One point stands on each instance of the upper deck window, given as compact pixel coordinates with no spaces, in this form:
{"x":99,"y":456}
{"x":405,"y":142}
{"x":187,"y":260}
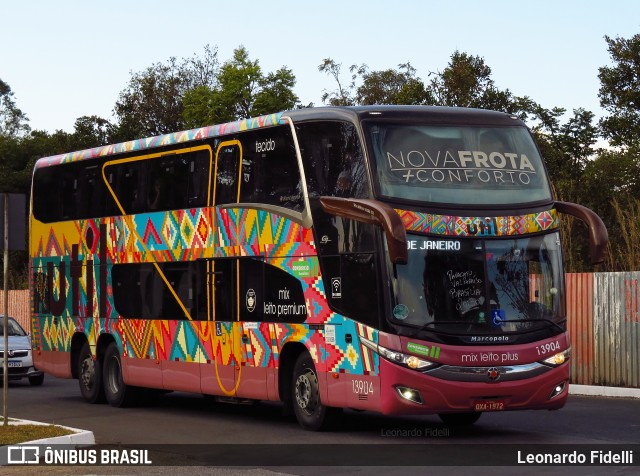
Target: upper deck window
{"x":458,"y":165}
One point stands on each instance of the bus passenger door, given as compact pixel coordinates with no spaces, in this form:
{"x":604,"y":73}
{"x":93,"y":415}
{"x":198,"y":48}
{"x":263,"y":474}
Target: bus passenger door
{"x":222,"y":292}
{"x":222,"y":278}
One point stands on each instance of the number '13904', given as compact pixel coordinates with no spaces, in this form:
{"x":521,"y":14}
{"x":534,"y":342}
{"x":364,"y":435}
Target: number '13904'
{"x":362,"y":387}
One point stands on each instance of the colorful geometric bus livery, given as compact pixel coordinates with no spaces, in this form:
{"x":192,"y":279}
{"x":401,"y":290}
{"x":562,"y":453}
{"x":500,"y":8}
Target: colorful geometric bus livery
{"x":479,"y":226}
{"x":279,"y":258}
{"x":182,"y":236}
{"x":185,"y":235}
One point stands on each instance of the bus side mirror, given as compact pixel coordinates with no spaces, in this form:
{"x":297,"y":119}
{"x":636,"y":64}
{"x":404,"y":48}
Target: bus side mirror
{"x":373,"y":212}
{"x":598,"y":236}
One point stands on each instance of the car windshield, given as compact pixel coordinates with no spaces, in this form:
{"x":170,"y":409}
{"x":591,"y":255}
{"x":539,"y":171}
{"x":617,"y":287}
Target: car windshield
{"x":13,"y":328}
{"x":448,"y":164}
{"x":480,"y":286}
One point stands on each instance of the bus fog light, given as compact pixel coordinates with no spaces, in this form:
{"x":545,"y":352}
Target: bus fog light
{"x":557,"y":390}
{"x":410,"y":394}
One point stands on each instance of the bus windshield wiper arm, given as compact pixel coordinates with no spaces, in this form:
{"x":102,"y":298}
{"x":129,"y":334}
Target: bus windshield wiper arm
{"x":540,"y":319}
{"x":437,"y":323}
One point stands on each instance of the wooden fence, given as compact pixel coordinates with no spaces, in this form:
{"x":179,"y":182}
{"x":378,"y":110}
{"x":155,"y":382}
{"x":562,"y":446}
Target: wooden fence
{"x":19,"y":307}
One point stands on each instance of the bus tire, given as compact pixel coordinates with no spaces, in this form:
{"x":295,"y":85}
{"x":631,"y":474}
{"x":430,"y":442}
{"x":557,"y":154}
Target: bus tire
{"x":309,"y":411}
{"x":36,"y":379}
{"x":117,"y":393}
{"x":460,"y":419}
{"x":90,"y":376}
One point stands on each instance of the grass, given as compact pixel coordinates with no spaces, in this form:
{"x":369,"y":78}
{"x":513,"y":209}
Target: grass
{"x":12,"y":434}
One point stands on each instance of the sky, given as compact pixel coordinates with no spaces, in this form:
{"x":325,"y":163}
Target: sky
{"x":66,"y":59}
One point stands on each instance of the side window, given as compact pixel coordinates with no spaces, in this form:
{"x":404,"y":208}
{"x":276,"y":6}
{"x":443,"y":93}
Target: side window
{"x":349,"y":267}
{"x":224,"y":287}
{"x":70,"y":192}
{"x":164,"y":184}
{"x":174,"y":181}
{"x":47,"y":199}
{"x":333,"y":160}
{"x":93,"y":198}
{"x":270,"y":172}
{"x":139,"y":290}
{"x":198,"y":164}
{"x":126,"y":180}
{"x":226,"y":182}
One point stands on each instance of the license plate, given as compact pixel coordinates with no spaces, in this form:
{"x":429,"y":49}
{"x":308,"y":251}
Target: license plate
{"x":489,"y":406}
{"x":14,"y":363}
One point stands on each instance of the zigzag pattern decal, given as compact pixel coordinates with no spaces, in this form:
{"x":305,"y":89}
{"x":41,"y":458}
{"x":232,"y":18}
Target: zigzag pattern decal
{"x":449,"y":225}
{"x":187,"y":235}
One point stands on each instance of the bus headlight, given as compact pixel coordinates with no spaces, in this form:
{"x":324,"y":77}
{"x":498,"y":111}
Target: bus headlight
{"x":559,"y":358}
{"x":409,"y":361}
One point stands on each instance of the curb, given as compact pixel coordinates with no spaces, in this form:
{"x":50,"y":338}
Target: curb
{"x":78,"y":437}
{"x":596,"y":391}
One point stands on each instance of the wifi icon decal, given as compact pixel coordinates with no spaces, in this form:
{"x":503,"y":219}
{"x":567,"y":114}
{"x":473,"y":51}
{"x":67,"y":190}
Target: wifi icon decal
{"x":336,"y":288}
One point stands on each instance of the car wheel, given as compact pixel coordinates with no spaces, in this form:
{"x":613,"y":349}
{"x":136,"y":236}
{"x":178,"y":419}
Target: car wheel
{"x":36,"y":380}
{"x":90,"y":376}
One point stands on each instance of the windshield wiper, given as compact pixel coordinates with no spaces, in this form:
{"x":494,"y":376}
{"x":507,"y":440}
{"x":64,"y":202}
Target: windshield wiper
{"x":438,"y":323}
{"x":542,"y":319}
{"x":467,"y":323}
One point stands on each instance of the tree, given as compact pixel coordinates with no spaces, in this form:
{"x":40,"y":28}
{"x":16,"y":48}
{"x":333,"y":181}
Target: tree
{"x":620,"y":92}
{"x":13,"y":121}
{"x":276,"y":93}
{"x":392,"y":87}
{"x":152,"y":103}
{"x":92,"y":131}
{"x":467,"y":82}
{"x":242,"y":90}
{"x":344,"y":96}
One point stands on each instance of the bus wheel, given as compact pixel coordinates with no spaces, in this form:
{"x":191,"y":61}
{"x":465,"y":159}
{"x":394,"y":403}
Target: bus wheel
{"x":460,"y":419}
{"x":309,"y":410}
{"x":90,"y":376}
{"x":118,"y":393}
{"x":36,"y":380}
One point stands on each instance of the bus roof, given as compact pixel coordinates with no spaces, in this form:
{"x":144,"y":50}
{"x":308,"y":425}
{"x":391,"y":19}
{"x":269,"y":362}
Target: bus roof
{"x":425,"y":114}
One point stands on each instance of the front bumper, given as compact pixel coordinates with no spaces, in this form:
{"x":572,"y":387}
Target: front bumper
{"x":17,"y":373}
{"x":440,"y":395}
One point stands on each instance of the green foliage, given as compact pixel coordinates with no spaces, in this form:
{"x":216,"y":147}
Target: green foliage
{"x":276,"y":93}
{"x":152,"y":103}
{"x":344,"y":95}
{"x":620,"y":92}
{"x":466,"y":82}
{"x":13,"y":122}
{"x":392,"y":87}
{"x":92,"y":131}
{"x":242,"y":90}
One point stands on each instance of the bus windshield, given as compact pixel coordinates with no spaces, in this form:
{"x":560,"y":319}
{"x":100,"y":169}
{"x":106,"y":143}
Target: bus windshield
{"x":449,"y":164}
{"x":480,"y":286}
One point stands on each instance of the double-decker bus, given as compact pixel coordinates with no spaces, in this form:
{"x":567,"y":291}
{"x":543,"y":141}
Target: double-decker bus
{"x":401,"y":260}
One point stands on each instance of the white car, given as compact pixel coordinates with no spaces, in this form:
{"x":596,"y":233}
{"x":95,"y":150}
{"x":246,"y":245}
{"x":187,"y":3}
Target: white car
{"x":20,"y":361}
